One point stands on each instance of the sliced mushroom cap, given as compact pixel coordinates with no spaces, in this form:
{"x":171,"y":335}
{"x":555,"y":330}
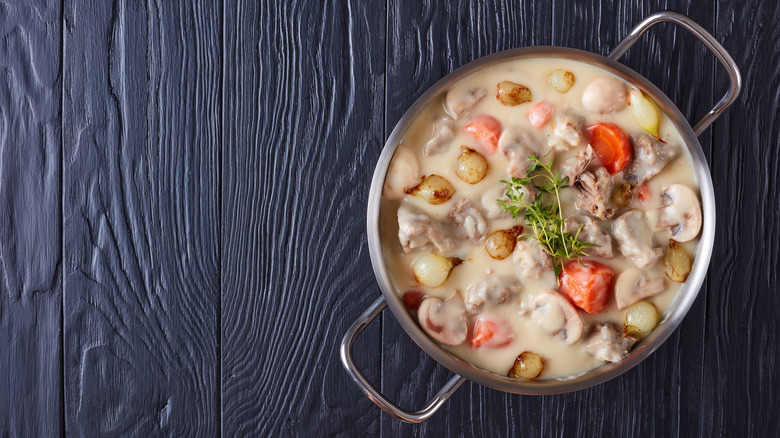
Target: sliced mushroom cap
{"x":403,"y":173}
{"x":459,"y":100}
{"x":632,"y":286}
{"x":682,"y":213}
{"x":444,"y":321}
{"x":605,"y":95}
{"x":558,"y":316}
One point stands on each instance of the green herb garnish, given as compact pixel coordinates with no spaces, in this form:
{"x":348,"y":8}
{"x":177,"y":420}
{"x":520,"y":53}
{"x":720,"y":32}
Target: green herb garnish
{"x":546,"y":219}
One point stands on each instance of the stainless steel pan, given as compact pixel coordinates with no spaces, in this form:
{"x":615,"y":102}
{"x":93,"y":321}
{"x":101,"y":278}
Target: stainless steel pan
{"x":678,"y":308}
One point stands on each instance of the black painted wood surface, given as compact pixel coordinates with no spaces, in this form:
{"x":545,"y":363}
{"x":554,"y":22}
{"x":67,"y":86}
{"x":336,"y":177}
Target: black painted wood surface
{"x":182,"y":217}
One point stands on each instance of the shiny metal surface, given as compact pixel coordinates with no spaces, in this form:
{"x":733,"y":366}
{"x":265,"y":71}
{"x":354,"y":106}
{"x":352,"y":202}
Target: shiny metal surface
{"x":372,"y":393}
{"x":735,"y":79}
{"x":681,"y":303}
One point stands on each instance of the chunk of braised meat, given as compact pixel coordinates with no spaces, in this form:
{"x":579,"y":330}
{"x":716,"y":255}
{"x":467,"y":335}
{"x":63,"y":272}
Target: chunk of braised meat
{"x":567,"y":131}
{"x":574,"y":166}
{"x":443,"y":133}
{"x":651,"y":155}
{"x":517,"y":145}
{"x":635,"y":240}
{"x":587,"y":230}
{"x":459,"y":100}
{"x":417,"y":230}
{"x":607,"y":344}
{"x":468,"y":221}
{"x":495,"y":290}
{"x":531,"y":259}
{"x":593,"y":190}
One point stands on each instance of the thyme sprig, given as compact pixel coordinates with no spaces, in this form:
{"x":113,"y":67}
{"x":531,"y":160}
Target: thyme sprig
{"x":545,"y":218}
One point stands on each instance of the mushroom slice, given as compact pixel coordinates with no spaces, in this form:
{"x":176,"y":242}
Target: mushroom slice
{"x":558,"y":316}
{"x":460,"y":100}
{"x":444,"y":321}
{"x":682,"y":213}
{"x":632,"y":286}
{"x":605,"y":95}
{"x":634,"y":239}
{"x":494,"y":290}
{"x":403,"y":174}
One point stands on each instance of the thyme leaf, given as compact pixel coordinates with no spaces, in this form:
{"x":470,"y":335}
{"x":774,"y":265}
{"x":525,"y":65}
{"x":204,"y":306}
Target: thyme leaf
{"x":545,"y":218}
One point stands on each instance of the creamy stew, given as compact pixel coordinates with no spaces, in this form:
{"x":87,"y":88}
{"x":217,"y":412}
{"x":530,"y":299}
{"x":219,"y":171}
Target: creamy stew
{"x":539,"y":217}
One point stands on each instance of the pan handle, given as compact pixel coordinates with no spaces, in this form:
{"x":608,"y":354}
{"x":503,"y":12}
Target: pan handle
{"x":735,"y":78}
{"x":371,"y":392}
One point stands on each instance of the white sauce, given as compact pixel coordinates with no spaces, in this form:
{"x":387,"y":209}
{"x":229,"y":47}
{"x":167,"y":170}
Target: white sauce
{"x":561,"y":361}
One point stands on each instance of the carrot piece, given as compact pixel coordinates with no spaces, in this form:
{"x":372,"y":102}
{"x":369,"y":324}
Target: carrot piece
{"x":587,"y":283}
{"x":611,"y":146}
{"x":485,"y":130}
{"x":491,"y":333}
{"x":540,"y":113}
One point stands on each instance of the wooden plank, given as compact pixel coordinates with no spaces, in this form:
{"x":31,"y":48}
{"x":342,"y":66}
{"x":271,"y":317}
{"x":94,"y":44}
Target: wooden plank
{"x":141,"y":292}
{"x":662,"y":396}
{"x":743,"y":334}
{"x":427,"y":41}
{"x":303,"y":128}
{"x":30,"y":221}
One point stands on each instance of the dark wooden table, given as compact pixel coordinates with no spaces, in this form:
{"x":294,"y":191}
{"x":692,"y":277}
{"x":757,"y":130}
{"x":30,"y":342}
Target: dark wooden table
{"x":183,"y":187}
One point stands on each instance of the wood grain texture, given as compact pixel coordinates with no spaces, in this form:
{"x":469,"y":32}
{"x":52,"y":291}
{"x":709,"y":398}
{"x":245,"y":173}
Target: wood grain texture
{"x":30,"y":219}
{"x":425,"y":42}
{"x":141,"y":218}
{"x":303,"y":126}
{"x":741,"y":347}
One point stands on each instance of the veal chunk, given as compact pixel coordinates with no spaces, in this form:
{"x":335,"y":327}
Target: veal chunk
{"x":650,"y":157}
{"x":518,"y":145}
{"x":494,"y":290}
{"x":587,"y":230}
{"x":574,"y":166}
{"x":594,"y":189}
{"x":417,"y":230}
{"x":469,"y":223}
{"x":593,"y":186}
{"x":607,"y":344}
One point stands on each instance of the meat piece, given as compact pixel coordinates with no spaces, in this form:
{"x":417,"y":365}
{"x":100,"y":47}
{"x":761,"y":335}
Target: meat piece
{"x":417,"y":230}
{"x":634,"y":239}
{"x":518,"y":145}
{"x":593,"y":193}
{"x":607,"y":344}
{"x":495,"y":290}
{"x":469,"y":223}
{"x":460,"y":100}
{"x":587,"y":230}
{"x":650,"y":157}
{"x":574,"y":166}
{"x":567,"y":131}
{"x":531,"y":259}
{"x":443,"y":133}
